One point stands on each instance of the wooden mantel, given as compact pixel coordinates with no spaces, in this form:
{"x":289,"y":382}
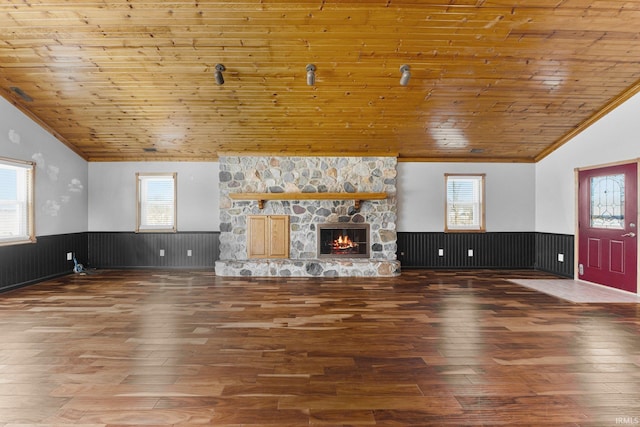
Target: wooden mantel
{"x":262,"y":197}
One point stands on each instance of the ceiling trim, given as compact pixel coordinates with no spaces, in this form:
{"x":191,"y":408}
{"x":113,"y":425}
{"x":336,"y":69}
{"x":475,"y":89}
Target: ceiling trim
{"x":465,"y":160}
{"x":308,"y":154}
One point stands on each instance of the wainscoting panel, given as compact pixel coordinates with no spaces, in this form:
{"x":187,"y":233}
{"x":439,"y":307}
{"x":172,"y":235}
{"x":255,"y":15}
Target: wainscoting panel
{"x":25,"y":264}
{"x":489,"y":250}
{"x":142,"y":250}
{"x":21,"y":265}
{"x":548,"y":246}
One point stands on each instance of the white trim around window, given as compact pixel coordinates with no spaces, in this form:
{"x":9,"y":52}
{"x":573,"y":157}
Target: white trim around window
{"x":465,"y":203}
{"x":156,"y":197}
{"x":17,"y":188}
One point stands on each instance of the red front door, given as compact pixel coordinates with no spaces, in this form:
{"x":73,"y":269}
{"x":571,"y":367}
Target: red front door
{"x":607,"y":226}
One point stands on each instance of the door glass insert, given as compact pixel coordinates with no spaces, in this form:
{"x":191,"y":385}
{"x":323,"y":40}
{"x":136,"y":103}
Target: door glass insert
{"x":607,"y":201}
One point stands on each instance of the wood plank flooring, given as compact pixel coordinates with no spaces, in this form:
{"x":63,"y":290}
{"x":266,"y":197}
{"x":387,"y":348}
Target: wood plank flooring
{"x":441,"y":348}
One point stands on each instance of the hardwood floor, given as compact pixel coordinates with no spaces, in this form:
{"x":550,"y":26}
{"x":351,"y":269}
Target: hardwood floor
{"x":158,"y":348}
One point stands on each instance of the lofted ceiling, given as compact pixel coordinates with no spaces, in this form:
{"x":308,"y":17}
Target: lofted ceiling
{"x":491,"y":80}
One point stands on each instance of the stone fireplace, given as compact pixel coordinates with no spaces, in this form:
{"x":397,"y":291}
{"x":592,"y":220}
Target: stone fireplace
{"x":304,"y":187}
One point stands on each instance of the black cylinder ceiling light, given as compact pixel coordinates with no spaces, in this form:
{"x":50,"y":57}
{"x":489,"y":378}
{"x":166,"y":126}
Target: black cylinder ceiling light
{"x":218,"y":74}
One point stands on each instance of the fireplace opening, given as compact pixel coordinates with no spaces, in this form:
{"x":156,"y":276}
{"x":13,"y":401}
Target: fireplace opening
{"x":343,"y":240}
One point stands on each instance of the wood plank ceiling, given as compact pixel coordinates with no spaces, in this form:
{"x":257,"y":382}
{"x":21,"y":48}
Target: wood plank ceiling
{"x":491,"y":80}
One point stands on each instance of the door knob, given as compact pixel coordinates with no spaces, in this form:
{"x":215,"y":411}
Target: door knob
{"x":629,"y":234}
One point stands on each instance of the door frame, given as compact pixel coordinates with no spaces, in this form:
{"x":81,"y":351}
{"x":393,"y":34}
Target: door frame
{"x":576,"y":253}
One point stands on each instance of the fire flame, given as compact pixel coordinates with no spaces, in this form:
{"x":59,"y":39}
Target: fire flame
{"x":344,"y":242}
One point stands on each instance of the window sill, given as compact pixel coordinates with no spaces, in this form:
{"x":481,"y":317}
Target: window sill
{"x":18,"y":242}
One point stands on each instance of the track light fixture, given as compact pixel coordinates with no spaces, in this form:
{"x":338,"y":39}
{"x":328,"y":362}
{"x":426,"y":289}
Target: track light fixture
{"x":406,"y":75}
{"x":311,"y":74}
{"x":218,"y":74}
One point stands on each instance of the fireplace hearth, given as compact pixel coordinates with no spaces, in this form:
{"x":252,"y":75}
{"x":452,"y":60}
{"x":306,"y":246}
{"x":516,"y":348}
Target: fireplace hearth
{"x":343,"y":240}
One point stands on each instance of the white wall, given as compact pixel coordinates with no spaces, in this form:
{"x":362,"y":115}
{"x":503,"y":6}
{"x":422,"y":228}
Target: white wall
{"x":614,"y":138}
{"x":112,"y":195}
{"x":61,"y":175}
{"x":509,"y":187}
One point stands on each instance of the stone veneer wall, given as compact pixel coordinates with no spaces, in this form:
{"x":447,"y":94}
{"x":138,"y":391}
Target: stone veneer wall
{"x":257,"y":174}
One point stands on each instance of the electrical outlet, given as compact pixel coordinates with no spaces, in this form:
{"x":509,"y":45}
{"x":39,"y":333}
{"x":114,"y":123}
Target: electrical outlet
{"x":189,"y":252}
{"x":69,"y":256}
{"x":470,"y":252}
{"x":440,"y":252}
{"x":161,"y":252}
{"x":560,"y":257}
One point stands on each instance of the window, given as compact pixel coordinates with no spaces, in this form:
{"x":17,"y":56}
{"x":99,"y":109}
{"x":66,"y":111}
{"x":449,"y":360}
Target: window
{"x":607,"y":201}
{"x":156,"y":202}
{"x":16,"y":202}
{"x":465,"y":202}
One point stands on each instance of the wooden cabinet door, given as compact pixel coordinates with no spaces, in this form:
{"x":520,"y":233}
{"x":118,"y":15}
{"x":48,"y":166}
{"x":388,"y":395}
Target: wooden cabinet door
{"x":268,"y":236}
{"x":257,"y":241}
{"x":279,"y":236}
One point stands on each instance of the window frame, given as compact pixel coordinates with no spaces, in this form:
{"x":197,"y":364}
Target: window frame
{"x":481,"y":226}
{"x":29,"y":221}
{"x":140,"y":178}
